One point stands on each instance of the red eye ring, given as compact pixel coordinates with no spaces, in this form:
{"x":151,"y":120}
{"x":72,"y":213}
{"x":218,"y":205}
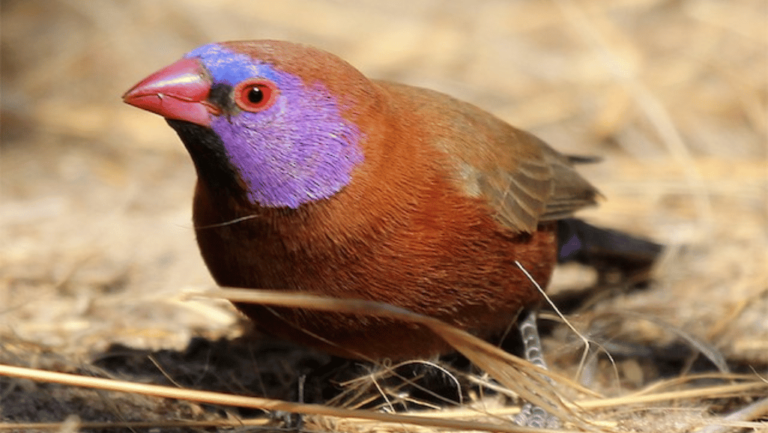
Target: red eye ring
{"x":256,"y":94}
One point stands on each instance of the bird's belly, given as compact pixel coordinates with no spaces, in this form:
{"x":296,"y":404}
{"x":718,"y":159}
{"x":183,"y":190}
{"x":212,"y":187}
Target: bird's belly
{"x":471,"y":282}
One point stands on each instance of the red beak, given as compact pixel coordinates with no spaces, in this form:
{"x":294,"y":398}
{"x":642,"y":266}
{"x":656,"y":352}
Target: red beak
{"x":178,"y":91}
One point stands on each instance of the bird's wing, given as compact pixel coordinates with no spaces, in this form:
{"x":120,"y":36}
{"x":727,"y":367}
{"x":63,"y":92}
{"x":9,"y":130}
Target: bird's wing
{"x":532,"y":186}
{"x":523,"y":180}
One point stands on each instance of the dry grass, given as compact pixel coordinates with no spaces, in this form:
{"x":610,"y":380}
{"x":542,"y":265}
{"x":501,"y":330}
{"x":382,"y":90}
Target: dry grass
{"x":97,"y":246}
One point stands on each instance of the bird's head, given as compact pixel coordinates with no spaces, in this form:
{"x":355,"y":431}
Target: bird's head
{"x":274,"y":121}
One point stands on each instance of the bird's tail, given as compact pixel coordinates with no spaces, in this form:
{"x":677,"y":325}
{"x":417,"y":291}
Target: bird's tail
{"x":606,"y":250}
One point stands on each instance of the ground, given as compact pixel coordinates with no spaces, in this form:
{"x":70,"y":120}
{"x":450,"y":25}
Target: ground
{"x":98,"y":253}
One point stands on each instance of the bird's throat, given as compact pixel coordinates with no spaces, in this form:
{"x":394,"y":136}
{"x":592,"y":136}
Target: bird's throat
{"x":210,"y":158}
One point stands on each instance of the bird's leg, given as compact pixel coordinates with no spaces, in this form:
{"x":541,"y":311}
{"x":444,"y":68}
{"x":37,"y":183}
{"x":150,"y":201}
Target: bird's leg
{"x":293,"y":422}
{"x":530,"y":415}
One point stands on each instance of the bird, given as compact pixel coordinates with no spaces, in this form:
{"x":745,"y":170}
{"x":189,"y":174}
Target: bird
{"x":313,"y":178}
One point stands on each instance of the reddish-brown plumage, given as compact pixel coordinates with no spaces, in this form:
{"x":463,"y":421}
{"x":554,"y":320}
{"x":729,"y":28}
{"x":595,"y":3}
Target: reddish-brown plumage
{"x":447,"y":199}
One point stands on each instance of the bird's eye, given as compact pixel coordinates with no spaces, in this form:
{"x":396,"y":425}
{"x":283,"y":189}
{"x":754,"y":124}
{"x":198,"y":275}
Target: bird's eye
{"x":255,"y":95}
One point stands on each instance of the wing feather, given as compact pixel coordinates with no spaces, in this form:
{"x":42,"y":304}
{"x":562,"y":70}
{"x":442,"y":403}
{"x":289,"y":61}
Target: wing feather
{"x":522,"y":179}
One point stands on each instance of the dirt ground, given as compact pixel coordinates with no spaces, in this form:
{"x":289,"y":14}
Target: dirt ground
{"x":97,"y":249}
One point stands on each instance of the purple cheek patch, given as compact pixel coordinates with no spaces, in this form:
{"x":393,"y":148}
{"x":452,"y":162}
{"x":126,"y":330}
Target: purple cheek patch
{"x":299,"y":150}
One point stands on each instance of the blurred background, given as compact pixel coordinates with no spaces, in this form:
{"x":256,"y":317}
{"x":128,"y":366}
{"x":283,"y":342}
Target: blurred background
{"x":95,"y":196}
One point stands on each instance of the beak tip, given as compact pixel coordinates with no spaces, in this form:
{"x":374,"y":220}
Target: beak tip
{"x":131,"y":96}
{"x":177,"y":91}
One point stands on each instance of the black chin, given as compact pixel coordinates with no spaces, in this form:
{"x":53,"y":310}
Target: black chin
{"x":208,"y":154}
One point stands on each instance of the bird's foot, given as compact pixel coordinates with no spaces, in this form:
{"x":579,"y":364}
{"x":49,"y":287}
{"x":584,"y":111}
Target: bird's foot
{"x":534,"y":416}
